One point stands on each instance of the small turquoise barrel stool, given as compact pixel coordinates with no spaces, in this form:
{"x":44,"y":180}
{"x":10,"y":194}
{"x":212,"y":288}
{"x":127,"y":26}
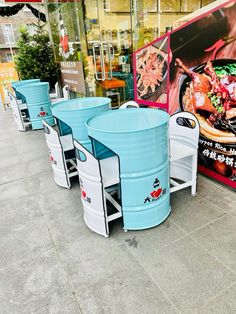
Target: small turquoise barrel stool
{"x":139,"y":137}
{"x":74,"y":113}
{"x":15,"y":84}
{"x":38,"y":103}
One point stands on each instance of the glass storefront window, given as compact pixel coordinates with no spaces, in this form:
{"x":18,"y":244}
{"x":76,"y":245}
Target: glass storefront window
{"x":103,"y":34}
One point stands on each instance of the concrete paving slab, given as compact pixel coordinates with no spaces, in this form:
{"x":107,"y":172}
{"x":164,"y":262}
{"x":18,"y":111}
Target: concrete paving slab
{"x":15,"y":213}
{"x":37,"y":165}
{"x":13,"y":172}
{"x":43,"y":181}
{"x":31,"y":143}
{"x":130,"y":291}
{"x":191,"y":212}
{"x":23,"y":240}
{"x":55,"y":198}
{"x":219,"y":237}
{"x":224,"y":303}
{"x":32,"y":283}
{"x":66,"y":306}
{"x":142,"y":241}
{"x":217,"y":193}
{"x":107,"y":279}
{"x":15,"y":190}
{"x":187,"y":273}
{"x":233,"y":212}
{"x":7,"y":152}
{"x":66,"y":223}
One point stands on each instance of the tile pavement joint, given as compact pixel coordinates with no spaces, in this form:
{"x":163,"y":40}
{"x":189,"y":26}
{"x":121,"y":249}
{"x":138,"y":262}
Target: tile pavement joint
{"x":59,"y":258}
{"x":154,"y":281}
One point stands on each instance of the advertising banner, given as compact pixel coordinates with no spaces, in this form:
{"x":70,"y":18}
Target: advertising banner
{"x":7,"y":74}
{"x":202,"y":80}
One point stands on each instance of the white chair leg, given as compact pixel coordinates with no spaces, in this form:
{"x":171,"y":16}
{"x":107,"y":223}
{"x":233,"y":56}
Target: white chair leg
{"x":194,"y":175}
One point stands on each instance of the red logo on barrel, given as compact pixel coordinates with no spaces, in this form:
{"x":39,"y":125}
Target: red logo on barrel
{"x":156,"y":193}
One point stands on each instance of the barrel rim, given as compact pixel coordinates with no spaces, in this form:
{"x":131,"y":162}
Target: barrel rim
{"x":55,"y":105}
{"x":39,"y":83}
{"x":23,"y":82}
{"x":48,"y":102}
{"x":126,"y":131}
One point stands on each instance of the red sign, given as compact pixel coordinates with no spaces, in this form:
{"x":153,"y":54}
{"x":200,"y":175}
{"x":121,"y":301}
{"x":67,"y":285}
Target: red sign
{"x":25,"y":1}
{"x":39,"y":1}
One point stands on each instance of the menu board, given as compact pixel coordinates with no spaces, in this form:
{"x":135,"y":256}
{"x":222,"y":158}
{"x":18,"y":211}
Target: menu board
{"x":202,"y":80}
{"x":72,"y":75}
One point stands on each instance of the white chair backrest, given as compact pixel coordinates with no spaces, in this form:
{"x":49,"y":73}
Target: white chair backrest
{"x":91,"y":189}
{"x":184,"y":126}
{"x":129,"y":104}
{"x":57,"y":90}
{"x":55,"y":149}
{"x":65,"y":92}
{"x":16,"y":112}
{"x":87,"y":163}
{"x":6,"y":96}
{"x":13,"y":100}
{"x":52,"y":136}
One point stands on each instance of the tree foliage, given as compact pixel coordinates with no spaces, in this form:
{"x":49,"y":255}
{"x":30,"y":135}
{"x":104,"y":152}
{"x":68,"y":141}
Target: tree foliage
{"x":35,"y":58}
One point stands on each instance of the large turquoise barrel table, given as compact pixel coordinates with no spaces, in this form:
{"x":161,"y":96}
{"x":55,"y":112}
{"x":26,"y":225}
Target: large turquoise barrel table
{"x":15,"y":84}
{"x":139,"y":137}
{"x":72,"y":115}
{"x":38,"y":103}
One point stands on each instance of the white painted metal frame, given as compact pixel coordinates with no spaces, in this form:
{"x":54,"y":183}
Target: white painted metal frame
{"x":99,"y":180}
{"x":184,"y":136}
{"x":129,"y":104}
{"x":63,"y":169}
{"x":66,"y":92}
{"x":18,"y":109}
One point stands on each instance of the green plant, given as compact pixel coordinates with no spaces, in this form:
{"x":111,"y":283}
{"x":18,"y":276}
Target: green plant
{"x":35,"y":57}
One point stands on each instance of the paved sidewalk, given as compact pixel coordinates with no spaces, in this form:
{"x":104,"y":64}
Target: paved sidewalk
{"x":50,"y":262}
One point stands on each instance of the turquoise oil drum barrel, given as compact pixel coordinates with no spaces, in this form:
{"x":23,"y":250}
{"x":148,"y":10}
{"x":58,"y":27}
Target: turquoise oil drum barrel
{"x":15,"y":84}
{"x":139,"y":137}
{"x":38,"y":103}
{"x":75,"y":112}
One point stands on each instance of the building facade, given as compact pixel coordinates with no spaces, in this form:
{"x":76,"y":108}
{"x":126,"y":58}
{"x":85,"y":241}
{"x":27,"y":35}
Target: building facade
{"x":9,"y":30}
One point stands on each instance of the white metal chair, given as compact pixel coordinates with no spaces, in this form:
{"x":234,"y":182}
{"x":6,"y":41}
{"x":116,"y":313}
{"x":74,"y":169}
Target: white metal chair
{"x":129,"y":104}
{"x":57,"y":92}
{"x":66,"y":92}
{"x":184,"y":136}
{"x":6,"y":98}
{"x":19,"y":110}
{"x":64,"y":167}
{"x":99,"y":181}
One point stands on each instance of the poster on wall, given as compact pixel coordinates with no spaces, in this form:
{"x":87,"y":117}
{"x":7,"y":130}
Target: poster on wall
{"x":7,"y":75}
{"x":203,"y":81}
{"x":151,"y":73}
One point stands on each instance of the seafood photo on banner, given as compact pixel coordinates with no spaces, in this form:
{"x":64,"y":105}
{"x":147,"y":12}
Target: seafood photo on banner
{"x":151,"y":71}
